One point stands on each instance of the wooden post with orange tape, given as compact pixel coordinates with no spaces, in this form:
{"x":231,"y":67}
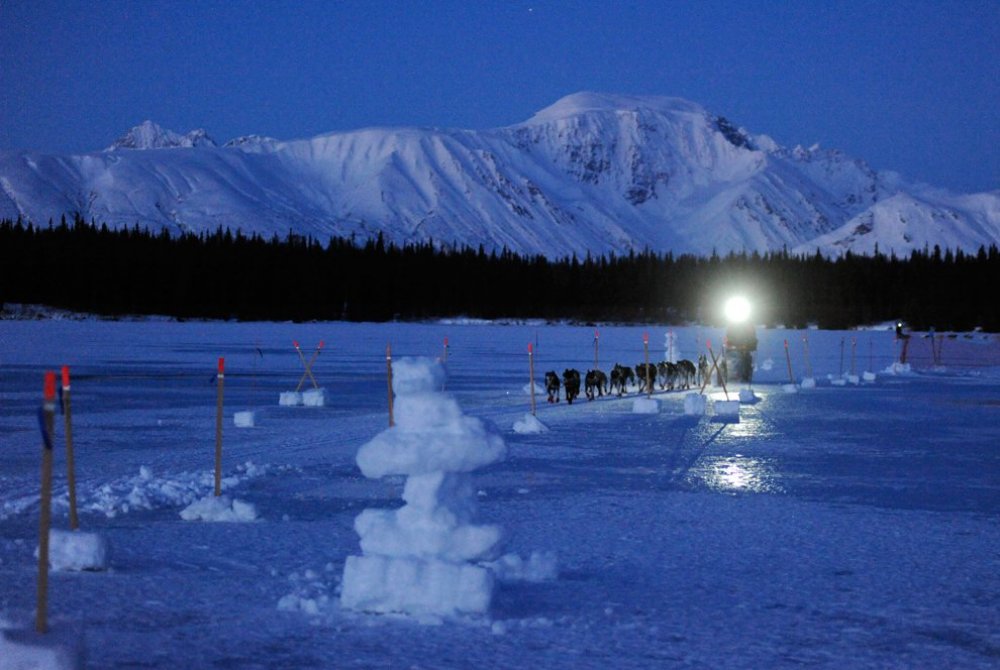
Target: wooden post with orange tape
{"x":221,"y":378}
{"x":74,"y":521}
{"x":47,"y":419}
{"x":531,"y":375}
{"x":649,"y":381}
{"x":388,"y":370}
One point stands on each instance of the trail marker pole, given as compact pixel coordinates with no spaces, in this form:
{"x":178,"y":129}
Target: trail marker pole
{"x":871,"y":354}
{"x":444,"y":356}
{"x":221,"y":377}
{"x":388,"y":369}
{"x":788,"y":358}
{"x":645,"y":348}
{"x":308,"y":366}
{"x":597,"y":345}
{"x":45,"y":502}
{"x":805,"y":344}
{"x":531,"y":375}
{"x":854,"y":348}
{"x":842,"y":356}
{"x":715,"y":366}
{"x":74,"y":522}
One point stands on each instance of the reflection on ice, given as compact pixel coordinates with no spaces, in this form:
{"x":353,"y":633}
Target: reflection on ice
{"x":737,"y":474}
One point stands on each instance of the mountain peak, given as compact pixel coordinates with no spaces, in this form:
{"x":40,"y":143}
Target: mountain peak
{"x":149,"y":135}
{"x":587,"y":101}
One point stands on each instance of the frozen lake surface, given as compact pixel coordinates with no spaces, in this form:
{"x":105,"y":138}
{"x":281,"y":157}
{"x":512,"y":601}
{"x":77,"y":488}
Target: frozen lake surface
{"x":851,"y":526}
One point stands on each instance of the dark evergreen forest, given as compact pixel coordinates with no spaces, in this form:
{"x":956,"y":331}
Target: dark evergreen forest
{"x":88,"y":267}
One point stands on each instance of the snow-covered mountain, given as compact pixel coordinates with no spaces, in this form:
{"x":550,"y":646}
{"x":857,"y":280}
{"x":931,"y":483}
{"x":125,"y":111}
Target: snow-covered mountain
{"x":591,"y":173}
{"x":148,"y":135}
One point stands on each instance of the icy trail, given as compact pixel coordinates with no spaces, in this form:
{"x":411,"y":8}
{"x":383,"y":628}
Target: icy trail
{"x":851,"y":526}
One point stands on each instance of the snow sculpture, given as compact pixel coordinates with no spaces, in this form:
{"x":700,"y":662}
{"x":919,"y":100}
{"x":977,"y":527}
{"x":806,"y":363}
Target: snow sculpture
{"x":420,"y":559}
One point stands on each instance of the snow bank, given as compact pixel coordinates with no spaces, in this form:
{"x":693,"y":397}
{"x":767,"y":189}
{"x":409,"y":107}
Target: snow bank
{"x":147,"y":491}
{"x":219,"y":508}
{"x":530,"y":425}
{"x":645,"y":406}
{"x":417,"y":559}
{"x":75,"y":550}
{"x":60,"y":648}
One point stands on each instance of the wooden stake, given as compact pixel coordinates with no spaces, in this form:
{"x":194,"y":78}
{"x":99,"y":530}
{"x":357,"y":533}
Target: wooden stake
{"x":444,"y":356}
{"x":842,"y":356}
{"x":805,"y":344}
{"x":218,"y":428}
{"x":854,"y":348}
{"x":715,"y":365}
{"x":308,"y":366}
{"x":645,"y":347}
{"x":531,"y":376}
{"x":74,"y":522}
{"x":788,"y":357}
{"x":597,"y":346}
{"x":45,"y":502}
{"x":388,"y":369}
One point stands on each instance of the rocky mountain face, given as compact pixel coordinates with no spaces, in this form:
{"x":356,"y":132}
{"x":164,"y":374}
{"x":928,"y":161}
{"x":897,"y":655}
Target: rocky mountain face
{"x":592,"y":173}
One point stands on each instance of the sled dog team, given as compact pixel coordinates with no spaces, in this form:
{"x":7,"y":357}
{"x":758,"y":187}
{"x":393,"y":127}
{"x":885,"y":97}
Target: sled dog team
{"x":670,"y":376}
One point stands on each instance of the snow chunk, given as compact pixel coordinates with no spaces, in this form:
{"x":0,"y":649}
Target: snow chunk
{"x":399,"y":584}
{"x":75,"y":550}
{"x":695,"y":404}
{"x":417,"y":375}
{"x":790,"y":388}
{"x":869,"y":376}
{"x":530,"y":425}
{"x":645,"y":406}
{"x":290,"y":399}
{"x":808,"y":383}
{"x":244,"y":419}
{"x":726,"y":407}
{"x":219,"y":508}
{"x":898,"y":369}
{"x":541,"y":566}
{"x":314,"y":398}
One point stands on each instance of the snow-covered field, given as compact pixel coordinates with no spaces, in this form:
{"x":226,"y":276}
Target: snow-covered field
{"x":853,"y":526}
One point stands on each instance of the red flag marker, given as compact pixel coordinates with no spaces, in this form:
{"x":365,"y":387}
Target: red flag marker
{"x":65,"y":377}
{"x":50,"y":386}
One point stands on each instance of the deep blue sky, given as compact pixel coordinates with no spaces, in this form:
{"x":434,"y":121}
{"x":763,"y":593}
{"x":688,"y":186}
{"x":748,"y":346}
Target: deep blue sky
{"x":908,"y":86}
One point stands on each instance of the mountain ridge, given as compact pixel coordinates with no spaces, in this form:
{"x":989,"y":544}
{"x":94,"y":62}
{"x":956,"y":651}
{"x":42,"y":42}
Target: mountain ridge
{"x":591,"y":173}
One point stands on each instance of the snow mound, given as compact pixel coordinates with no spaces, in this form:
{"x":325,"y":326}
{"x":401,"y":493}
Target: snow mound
{"x":60,"y":648}
{"x":219,"y":508}
{"x":529,"y":425}
{"x":539,"y":389}
{"x":808,"y":383}
{"x":147,"y":491}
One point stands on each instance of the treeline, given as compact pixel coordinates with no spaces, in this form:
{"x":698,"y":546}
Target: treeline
{"x":87,"y":267}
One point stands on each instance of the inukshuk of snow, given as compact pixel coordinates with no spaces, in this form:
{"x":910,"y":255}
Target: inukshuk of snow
{"x":421,"y":559}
